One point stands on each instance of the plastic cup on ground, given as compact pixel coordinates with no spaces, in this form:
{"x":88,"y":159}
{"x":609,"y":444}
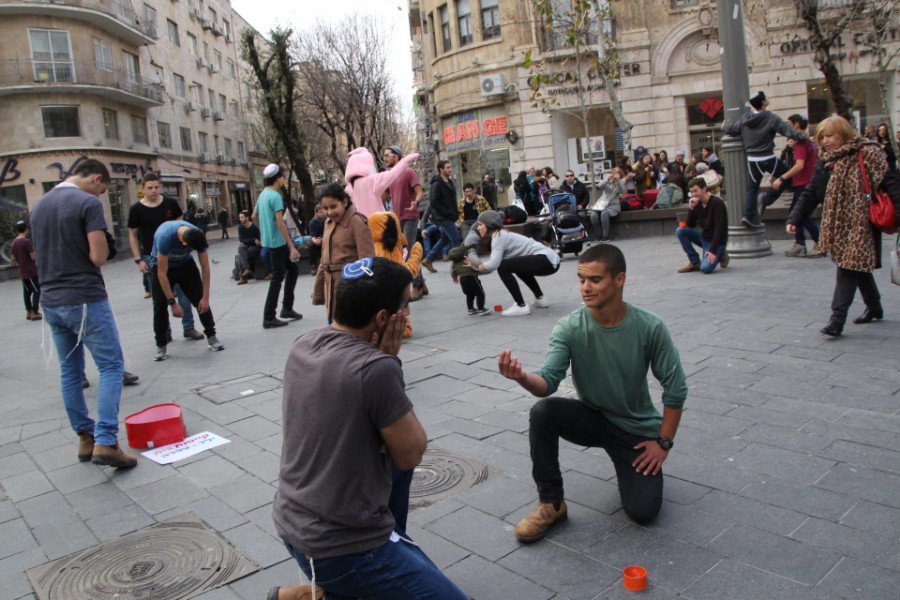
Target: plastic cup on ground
{"x":498,"y":308}
{"x":634,"y":578}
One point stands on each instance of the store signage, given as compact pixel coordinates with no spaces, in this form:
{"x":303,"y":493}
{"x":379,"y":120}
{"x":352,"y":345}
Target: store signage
{"x":571,"y":78}
{"x":467,"y":127}
{"x":129,"y":168}
{"x":866,"y":40}
{"x":10,"y":172}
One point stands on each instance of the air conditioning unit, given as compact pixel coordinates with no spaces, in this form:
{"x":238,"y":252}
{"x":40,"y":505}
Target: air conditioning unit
{"x":204,"y":157}
{"x":191,"y":106}
{"x":215,"y":29}
{"x":492,"y":85}
{"x":218,"y":116}
{"x":233,"y":162}
{"x":206,"y":24}
{"x":204,"y":112}
{"x":197,"y":14}
{"x":220,"y":158}
{"x":201,"y":62}
{"x":213,"y":68}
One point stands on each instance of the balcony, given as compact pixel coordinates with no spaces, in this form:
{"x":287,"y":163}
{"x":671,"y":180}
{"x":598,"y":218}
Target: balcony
{"x":114,"y":16}
{"x":26,"y":76}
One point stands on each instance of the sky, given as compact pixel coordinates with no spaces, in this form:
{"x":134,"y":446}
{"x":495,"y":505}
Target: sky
{"x":264,"y":15}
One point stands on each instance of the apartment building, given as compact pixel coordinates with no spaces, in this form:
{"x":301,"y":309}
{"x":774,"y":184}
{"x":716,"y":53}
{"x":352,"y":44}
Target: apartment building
{"x":140,"y":86}
{"x":474,"y":104}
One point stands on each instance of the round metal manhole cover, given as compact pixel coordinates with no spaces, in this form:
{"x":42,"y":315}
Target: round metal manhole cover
{"x":441,"y":474}
{"x":179,"y":558}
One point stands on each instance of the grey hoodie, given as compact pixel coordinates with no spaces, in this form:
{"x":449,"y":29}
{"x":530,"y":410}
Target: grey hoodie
{"x":758,"y":130}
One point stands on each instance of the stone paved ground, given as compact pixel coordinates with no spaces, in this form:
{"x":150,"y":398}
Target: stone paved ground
{"x":784,"y":481}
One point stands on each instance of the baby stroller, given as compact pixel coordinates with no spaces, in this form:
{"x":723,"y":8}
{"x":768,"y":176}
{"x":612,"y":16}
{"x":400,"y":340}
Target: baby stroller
{"x":567,"y":233}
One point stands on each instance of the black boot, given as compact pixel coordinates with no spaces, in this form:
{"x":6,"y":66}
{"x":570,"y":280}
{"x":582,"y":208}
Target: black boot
{"x":869,"y":315}
{"x":834,"y":328}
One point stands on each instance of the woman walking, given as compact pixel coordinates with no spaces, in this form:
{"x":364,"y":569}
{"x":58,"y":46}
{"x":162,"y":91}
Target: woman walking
{"x":846,"y":233}
{"x":515,"y":255}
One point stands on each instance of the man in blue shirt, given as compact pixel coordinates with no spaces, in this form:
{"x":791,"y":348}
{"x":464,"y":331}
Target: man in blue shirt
{"x":171,"y":263}
{"x":269,"y":214}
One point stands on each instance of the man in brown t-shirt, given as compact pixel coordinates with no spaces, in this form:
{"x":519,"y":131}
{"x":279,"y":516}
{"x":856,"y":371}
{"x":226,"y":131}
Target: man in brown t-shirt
{"x":346,"y":417}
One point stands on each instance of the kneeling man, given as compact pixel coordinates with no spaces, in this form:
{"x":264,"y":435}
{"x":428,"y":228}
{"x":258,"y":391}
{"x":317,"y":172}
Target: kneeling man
{"x":610,"y":346}
{"x":346,"y":417}
{"x":710,"y":213}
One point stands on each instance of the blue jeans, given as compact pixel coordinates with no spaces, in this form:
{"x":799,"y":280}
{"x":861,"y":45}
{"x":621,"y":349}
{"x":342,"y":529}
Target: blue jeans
{"x":758,"y":169}
{"x":449,"y":240}
{"x":397,"y":570}
{"x":187,"y":321}
{"x":690,"y":237}
{"x":808,"y":224}
{"x":73,"y":327}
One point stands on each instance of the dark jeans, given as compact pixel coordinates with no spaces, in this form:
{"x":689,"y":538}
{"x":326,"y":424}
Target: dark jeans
{"x":248,"y":255}
{"x":575,"y":422}
{"x":845,"y":286}
{"x":281,"y":264}
{"x":31,"y":293}
{"x":527,"y":268}
{"x":449,"y":240}
{"x":410,"y":228}
{"x":188,"y":278}
{"x":808,"y":224}
{"x":398,"y":503}
{"x":757,"y":170}
{"x":472,"y":288}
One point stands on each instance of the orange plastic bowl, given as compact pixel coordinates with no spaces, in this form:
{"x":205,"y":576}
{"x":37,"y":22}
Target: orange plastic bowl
{"x":634,"y":578}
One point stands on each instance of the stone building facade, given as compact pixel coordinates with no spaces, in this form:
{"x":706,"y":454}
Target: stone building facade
{"x":474,"y":95}
{"x":140,"y":86}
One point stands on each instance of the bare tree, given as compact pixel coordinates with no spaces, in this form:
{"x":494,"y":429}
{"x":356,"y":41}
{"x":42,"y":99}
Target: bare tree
{"x":879,"y":18}
{"x":346,"y":87}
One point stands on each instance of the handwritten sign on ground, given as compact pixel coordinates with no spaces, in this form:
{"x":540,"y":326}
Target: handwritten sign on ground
{"x":190,"y":446}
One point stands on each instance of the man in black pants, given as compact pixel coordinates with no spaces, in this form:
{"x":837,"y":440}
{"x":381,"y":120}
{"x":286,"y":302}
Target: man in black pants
{"x":171,"y":264}
{"x":610,"y":345}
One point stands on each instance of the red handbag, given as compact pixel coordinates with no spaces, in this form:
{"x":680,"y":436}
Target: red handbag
{"x":881,"y":209}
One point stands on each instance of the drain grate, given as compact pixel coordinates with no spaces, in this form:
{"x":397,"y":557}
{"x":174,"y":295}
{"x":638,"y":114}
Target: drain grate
{"x":173,"y":560}
{"x":441,"y":475}
{"x":233,"y":389}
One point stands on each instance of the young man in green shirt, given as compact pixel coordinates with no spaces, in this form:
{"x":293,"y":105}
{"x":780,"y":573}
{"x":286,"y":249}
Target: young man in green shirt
{"x":610,"y":345}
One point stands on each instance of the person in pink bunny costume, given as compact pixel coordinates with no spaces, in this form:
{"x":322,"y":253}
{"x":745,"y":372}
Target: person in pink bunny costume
{"x":365,"y":184}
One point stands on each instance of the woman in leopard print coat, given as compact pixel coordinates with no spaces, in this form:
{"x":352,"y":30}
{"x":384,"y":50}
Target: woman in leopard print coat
{"x":855,"y":245}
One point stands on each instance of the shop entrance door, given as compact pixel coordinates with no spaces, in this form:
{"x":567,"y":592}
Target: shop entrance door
{"x":118,"y":207}
{"x":706,"y":136}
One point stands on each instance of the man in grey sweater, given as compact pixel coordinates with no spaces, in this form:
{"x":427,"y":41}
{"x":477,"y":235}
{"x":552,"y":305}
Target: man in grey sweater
{"x":757,"y":130}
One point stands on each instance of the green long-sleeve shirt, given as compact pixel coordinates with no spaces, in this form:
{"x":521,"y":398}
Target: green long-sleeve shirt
{"x":610,"y":364}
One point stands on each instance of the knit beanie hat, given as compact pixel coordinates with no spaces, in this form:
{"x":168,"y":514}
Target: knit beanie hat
{"x":361,"y":163}
{"x":757,"y":100}
{"x":491,"y":218}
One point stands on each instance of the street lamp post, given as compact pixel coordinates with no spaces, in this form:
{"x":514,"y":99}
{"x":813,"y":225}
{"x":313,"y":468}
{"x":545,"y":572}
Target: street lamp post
{"x":743,"y":242}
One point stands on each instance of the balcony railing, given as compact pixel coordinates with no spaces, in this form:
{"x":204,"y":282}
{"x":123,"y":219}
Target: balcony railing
{"x":117,"y":13}
{"x":26,"y":75}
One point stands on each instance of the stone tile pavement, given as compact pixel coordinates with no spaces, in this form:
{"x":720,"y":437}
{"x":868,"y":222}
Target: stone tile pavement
{"x":784,"y":481}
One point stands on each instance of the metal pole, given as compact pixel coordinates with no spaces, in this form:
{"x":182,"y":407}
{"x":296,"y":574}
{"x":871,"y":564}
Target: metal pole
{"x":743,"y":242}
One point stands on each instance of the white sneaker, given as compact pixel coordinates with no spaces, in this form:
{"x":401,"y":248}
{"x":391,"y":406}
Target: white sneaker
{"x":517,"y":311}
{"x":541,"y":302}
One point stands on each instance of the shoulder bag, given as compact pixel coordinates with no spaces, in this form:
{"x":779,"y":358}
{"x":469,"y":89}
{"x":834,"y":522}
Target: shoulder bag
{"x":881,"y":209}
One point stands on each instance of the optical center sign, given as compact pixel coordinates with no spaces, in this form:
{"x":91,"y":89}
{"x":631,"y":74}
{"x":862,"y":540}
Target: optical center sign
{"x":474,"y":130}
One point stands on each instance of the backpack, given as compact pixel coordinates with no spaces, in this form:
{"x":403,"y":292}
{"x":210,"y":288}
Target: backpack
{"x":631,"y":202}
{"x":513,"y":215}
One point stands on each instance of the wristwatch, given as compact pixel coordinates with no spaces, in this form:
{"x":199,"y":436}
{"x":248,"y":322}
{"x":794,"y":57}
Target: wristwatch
{"x":665,"y":443}
{"x":137,"y":261}
{"x":170,"y":301}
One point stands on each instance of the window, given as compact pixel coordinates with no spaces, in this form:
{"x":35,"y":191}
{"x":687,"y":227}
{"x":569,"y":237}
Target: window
{"x":490,"y":20}
{"x":676,"y":4}
{"x":206,"y":51}
{"x":213,"y":17}
{"x":173,"y":32}
{"x":204,"y":141}
{"x":185,"y":139}
{"x":139,"y":129}
{"x":216,"y":143}
{"x":240,"y":148}
{"x":228,"y":148}
{"x":197,"y":91}
{"x":223,"y":103}
{"x":132,"y":67}
{"x":232,"y":72}
{"x":102,"y":54}
{"x":192,"y":44}
{"x":434,"y":34}
{"x":464,"y":21}
{"x":217,"y":59}
{"x":110,"y":124}
{"x":235,"y":110}
{"x":212,"y":100}
{"x":179,"y":85}
{"x":61,"y":121}
{"x":445,"y":27}
{"x":51,"y":55}
{"x":165,"y":134}
{"x":150,"y":19}
{"x":226,"y":29}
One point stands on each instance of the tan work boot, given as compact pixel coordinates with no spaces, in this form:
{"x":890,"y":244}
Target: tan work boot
{"x":535,"y":525}
{"x":85,"y":445}
{"x":688,"y":268}
{"x":295,"y":592}
{"x":725,"y":260}
{"x":242,"y":281}
{"x":112,"y":456}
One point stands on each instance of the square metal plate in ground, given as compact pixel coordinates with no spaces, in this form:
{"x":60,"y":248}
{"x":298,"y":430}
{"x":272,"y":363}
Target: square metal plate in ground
{"x":243,"y":387}
{"x":173,"y":560}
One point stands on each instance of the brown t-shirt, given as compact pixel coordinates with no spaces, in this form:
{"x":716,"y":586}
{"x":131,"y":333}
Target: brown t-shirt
{"x":335,"y":480}
{"x":403,"y":195}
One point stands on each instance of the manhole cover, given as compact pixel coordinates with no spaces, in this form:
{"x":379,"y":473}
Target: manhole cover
{"x":233,"y":389}
{"x":173,"y":560}
{"x":441,"y":475}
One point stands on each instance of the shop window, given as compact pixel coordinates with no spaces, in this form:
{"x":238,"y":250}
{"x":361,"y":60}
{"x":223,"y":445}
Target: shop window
{"x":866,"y":102}
{"x":490,"y":19}
{"x":464,"y":21}
{"x":15,"y":194}
{"x":61,"y":121}
{"x":677,"y":4}
{"x":110,"y":124}
{"x":165,"y":134}
{"x":705,"y":109}
{"x":445,"y":28}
